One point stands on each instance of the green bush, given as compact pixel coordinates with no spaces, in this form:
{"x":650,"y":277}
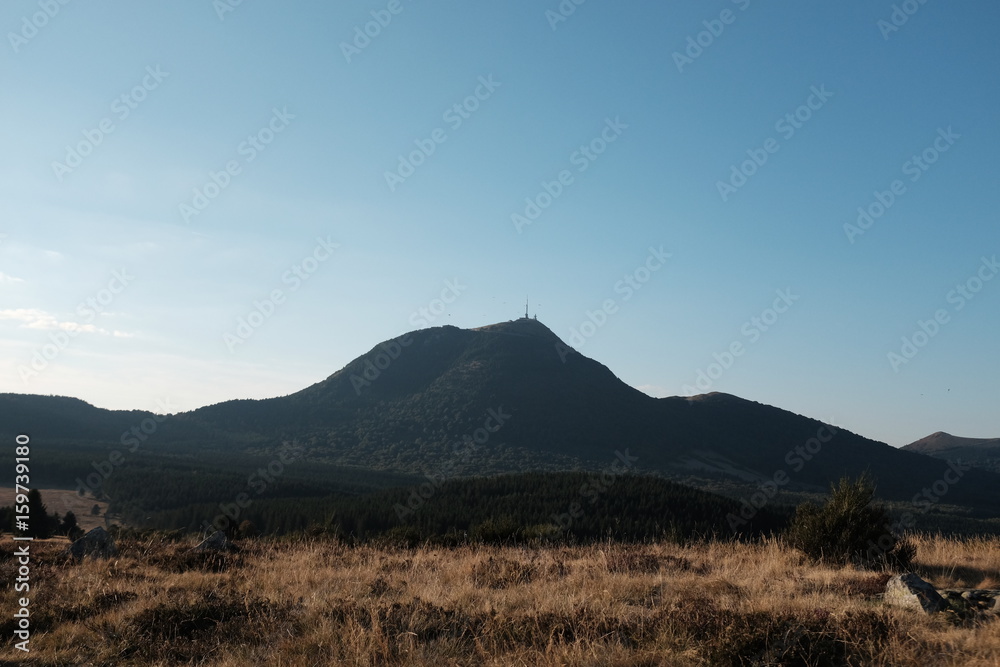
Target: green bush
{"x":850,"y":528}
{"x":496,"y":530}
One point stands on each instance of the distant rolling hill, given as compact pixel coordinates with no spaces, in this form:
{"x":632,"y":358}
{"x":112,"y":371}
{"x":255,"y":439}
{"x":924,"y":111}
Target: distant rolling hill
{"x":981,"y":452}
{"x":512,"y":397}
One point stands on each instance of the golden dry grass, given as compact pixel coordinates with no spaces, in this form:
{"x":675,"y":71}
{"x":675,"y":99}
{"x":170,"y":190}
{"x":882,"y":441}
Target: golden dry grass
{"x":323,"y":603}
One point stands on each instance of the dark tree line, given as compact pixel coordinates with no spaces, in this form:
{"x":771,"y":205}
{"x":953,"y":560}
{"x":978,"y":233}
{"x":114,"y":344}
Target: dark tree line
{"x":40,"y":524}
{"x":576,"y":507}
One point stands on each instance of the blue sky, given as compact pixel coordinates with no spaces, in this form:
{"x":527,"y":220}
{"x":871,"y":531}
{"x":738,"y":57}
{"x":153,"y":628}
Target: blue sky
{"x":120,"y":285}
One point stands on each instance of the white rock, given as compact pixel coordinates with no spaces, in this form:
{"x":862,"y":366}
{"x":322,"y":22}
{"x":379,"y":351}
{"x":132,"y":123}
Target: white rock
{"x":911,"y":592}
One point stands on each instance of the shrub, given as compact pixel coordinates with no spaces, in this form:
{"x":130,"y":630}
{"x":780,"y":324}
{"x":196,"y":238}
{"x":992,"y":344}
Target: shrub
{"x":502,"y":530}
{"x":68,"y":524}
{"x":849,"y":528}
{"x":248,"y":530}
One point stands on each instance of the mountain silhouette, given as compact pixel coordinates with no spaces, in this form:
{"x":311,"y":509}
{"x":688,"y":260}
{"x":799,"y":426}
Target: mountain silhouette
{"x":980,"y":452}
{"x":513,"y":397}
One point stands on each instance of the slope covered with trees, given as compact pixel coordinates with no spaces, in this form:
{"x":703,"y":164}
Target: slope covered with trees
{"x":453,"y":403}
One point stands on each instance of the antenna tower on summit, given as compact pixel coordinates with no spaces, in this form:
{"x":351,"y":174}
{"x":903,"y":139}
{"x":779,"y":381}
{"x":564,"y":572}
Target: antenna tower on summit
{"x":525,"y":307}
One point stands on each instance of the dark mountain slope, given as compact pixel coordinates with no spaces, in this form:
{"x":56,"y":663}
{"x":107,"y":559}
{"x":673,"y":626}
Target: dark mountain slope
{"x":723,"y":433}
{"x":431,"y":388}
{"x":511,"y":397}
{"x":981,"y":452}
{"x":63,"y":418}
{"x":407,"y":403}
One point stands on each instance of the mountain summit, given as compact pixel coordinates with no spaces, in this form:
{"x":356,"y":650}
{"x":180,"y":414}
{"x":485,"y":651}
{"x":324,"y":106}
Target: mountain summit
{"x":406,"y":402}
{"x":980,"y":452}
{"x":513,"y":397}
{"x":410,"y":403}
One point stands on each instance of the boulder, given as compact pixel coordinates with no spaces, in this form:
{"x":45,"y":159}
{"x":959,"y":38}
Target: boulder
{"x":981,"y":599}
{"x":958,"y":602}
{"x":217,"y":541}
{"x":911,"y":592}
{"x":95,"y":544}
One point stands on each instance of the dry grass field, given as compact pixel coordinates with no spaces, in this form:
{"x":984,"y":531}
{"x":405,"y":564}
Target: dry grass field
{"x":324,"y":603}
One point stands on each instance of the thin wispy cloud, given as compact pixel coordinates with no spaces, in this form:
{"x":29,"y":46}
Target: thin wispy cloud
{"x":34,"y":318}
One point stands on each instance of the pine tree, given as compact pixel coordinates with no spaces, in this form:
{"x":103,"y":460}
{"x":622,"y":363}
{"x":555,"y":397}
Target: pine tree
{"x":68,"y":524}
{"x":38,"y":517}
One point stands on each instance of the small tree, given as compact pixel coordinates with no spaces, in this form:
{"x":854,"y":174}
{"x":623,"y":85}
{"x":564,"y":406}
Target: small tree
{"x":248,"y":530}
{"x":6,"y":519}
{"x":68,"y":524}
{"x":95,"y":510}
{"x":849,"y":528}
{"x":39,"y":521}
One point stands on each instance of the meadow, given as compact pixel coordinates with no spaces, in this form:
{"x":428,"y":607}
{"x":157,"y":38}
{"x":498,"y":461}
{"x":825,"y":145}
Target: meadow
{"x":298,"y":602}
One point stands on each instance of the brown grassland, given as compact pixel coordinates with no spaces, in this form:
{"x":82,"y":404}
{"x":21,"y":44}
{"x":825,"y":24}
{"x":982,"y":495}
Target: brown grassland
{"x":318,"y":602}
